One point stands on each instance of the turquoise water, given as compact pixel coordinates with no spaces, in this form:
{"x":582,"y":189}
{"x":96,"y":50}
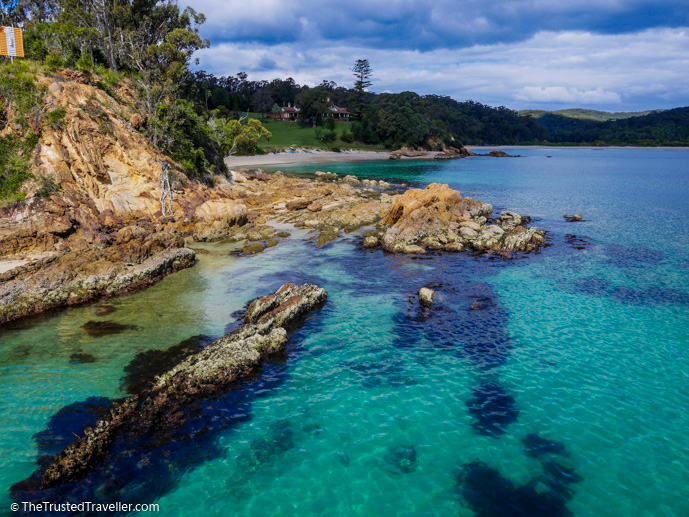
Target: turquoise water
{"x":378,"y":409}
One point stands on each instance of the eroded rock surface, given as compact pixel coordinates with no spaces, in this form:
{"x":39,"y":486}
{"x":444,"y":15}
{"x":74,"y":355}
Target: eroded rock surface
{"x":438,"y":217}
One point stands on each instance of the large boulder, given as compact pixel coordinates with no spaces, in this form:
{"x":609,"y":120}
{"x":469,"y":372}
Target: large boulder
{"x":223,"y":210}
{"x":429,"y":218}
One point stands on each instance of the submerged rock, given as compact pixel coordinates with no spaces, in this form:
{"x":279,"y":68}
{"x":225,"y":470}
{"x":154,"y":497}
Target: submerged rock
{"x":105,"y":310}
{"x":535,"y":446}
{"x":82,"y":358}
{"x":493,"y":409}
{"x":488,"y":494}
{"x":204,"y":374}
{"x":400,"y":459}
{"x":253,"y":248}
{"x":105,"y":328}
{"x":327,"y":235}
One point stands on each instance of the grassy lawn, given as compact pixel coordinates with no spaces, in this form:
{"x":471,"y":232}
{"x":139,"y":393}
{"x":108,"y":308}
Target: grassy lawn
{"x":287,"y":134}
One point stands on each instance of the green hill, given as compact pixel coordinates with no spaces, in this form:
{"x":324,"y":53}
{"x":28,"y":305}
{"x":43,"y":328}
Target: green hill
{"x":584,"y":114}
{"x":286,"y":134}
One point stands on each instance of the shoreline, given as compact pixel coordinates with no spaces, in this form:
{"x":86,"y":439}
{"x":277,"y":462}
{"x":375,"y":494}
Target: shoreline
{"x":314,"y":156}
{"x":302,"y":157}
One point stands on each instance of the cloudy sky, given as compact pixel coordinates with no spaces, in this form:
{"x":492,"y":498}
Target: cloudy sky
{"x":618,"y":55}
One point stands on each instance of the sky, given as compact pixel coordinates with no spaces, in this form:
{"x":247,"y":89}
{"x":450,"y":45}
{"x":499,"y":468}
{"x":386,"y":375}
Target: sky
{"x":612,"y":55}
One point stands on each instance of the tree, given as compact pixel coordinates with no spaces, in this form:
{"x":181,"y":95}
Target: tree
{"x":313,"y":105}
{"x":235,"y":137}
{"x":276,"y":110}
{"x":262,"y":101}
{"x":362,"y":73}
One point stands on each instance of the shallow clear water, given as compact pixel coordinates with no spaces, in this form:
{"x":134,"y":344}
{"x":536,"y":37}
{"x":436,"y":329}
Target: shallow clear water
{"x":378,"y":409}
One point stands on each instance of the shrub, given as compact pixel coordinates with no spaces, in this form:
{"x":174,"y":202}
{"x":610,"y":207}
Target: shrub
{"x":347,"y":136}
{"x":56,"y":118}
{"x":47,"y":187}
{"x":54,"y":60}
{"x":335,"y":149}
{"x":14,"y":168}
{"x":329,"y":136}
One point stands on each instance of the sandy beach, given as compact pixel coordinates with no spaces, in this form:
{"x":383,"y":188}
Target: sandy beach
{"x":311,"y":156}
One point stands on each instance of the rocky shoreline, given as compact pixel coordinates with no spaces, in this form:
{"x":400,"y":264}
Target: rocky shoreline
{"x":107,"y":256}
{"x":201,"y":376}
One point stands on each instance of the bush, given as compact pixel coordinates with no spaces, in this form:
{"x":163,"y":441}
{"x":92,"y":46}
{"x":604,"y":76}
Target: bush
{"x":85,"y":62}
{"x":54,"y":60}
{"x":347,"y":136}
{"x":56,"y":118}
{"x":47,"y":187}
{"x":14,"y":168}
{"x":335,"y":149}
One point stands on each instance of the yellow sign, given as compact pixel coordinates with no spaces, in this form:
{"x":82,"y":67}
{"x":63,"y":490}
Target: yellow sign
{"x":11,"y":42}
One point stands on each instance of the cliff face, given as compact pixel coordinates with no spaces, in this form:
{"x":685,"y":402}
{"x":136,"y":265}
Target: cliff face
{"x":100,"y":231}
{"x":107,"y":172}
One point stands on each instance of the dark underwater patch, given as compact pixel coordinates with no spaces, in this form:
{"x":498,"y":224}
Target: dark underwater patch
{"x":578,"y":242}
{"x":278,"y":440}
{"x":69,"y":421}
{"x":536,"y":446}
{"x":626,"y":257}
{"x":591,"y":286}
{"x":82,"y":358}
{"x":105,"y":328}
{"x":488,"y":494}
{"x":650,"y":296}
{"x":400,"y":459}
{"x":492,"y":408}
{"x":145,"y":366}
{"x":559,"y":477}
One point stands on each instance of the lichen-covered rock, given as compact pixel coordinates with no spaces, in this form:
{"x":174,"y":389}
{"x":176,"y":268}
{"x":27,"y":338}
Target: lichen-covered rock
{"x":509,"y":220}
{"x":428,"y":214}
{"x":253,"y":248}
{"x":224,"y":210}
{"x":327,"y":235}
{"x":351,"y":180}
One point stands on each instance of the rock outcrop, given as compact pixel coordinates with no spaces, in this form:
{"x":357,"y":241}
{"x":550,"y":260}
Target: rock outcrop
{"x":200,"y":376}
{"x":450,"y":153}
{"x":81,"y":276}
{"x":440,"y":218}
{"x":573,"y":218}
{"x":407,"y":152}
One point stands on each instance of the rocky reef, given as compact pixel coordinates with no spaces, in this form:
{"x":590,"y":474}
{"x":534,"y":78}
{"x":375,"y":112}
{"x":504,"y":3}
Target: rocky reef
{"x":201,"y":376}
{"x":439,"y":218}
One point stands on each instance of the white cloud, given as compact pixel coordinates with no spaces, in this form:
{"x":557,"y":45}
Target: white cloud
{"x":648,"y":69}
{"x":562,"y":94}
